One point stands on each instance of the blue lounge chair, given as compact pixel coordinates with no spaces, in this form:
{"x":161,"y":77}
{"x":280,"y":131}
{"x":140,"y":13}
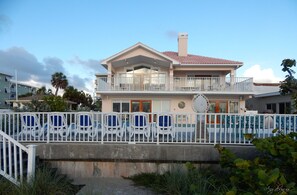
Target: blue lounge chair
{"x":86,"y":125}
{"x":112,"y":125}
{"x":140,"y":124}
{"x":165,"y":125}
{"x":30,"y":125}
{"x":58,"y":124}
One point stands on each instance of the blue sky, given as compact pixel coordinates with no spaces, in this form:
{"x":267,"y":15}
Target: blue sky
{"x":38,"y":38}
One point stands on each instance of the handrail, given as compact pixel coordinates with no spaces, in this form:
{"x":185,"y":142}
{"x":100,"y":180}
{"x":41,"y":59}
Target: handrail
{"x":147,"y":83}
{"x":11,"y":162}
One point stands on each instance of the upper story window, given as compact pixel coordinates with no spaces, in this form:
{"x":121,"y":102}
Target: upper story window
{"x":141,"y":70}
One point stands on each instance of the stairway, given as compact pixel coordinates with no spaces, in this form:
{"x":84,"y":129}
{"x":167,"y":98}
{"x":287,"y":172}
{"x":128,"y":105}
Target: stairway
{"x":13,"y":162}
{"x":16,"y":161}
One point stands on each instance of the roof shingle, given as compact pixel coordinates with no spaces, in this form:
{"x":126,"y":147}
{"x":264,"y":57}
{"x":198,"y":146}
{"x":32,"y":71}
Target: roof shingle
{"x":195,"y":59}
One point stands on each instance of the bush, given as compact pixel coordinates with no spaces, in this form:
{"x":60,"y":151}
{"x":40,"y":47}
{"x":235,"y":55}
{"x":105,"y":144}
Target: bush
{"x":47,"y":181}
{"x":273,"y":172}
{"x":180,"y":181}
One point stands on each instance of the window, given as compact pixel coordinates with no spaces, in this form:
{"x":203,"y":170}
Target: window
{"x":161,"y":106}
{"x":285,"y":108}
{"x":120,"y":106}
{"x":141,"y":105}
{"x":233,"y":106}
{"x":271,"y":107}
{"x":199,"y":81}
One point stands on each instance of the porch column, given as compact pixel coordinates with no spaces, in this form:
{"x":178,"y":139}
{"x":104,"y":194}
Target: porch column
{"x":171,"y":77}
{"x":109,"y":74}
{"x":232,"y":78}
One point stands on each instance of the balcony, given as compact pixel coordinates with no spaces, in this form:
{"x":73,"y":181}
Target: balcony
{"x":175,"y":84}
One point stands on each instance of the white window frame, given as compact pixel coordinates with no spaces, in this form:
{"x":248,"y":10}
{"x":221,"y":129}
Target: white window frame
{"x":121,"y":104}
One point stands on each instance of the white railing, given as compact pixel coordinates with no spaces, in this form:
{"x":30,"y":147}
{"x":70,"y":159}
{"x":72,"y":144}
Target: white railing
{"x":16,"y":160}
{"x":236,"y":84}
{"x":154,"y":128}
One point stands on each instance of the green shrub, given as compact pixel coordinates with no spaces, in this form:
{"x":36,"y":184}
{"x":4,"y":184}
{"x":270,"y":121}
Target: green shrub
{"x":273,"y":172}
{"x":47,"y":181}
{"x":180,"y":181}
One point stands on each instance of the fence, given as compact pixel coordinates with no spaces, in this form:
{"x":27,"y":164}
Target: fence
{"x":150,"y":128}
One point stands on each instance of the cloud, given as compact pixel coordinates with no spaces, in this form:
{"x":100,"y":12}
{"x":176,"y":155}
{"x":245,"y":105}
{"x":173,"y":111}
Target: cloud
{"x":88,"y":69}
{"x":36,"y":73}
{"x":94,"y":65}
{"x":261,"y":75}
{"x":78,"y":82}
{"x":25,"y":63}
{"x":53,"y":64}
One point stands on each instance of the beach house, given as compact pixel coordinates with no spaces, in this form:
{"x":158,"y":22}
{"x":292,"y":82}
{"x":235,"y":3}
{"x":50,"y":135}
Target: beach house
{"x":142,"y":79}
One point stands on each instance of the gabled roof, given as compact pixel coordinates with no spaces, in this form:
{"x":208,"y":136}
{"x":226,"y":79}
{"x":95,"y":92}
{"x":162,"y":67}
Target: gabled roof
{"x":195,"y":59}
{"x":139,"y":44}
{"x":1,"y":73}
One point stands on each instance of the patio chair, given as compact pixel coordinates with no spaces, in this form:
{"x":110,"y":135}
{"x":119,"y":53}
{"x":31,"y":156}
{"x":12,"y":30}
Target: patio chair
{"x":140,"y":124}
{"x":30,"y":125}
{"x":112,"y":125}
{"x":58,"y":124}
{"x":86,"y":125}
{"x":165,"y":125}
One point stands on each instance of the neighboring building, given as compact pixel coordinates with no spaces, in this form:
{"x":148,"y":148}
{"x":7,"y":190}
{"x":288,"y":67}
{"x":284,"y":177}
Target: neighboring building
{"x":23,"y":89}
{"x":21,"y":101}
{"x":141,"y":78}
{"x":8,"y":90}
{"x":267,"y":99}
{"x":5,"y":85}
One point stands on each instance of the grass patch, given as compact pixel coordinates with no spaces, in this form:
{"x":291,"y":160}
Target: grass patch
{"x":47,"y":181}
{"x":181,"y":181}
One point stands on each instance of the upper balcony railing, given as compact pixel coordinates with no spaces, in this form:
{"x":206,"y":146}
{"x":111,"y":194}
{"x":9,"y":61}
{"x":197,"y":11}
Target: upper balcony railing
{"x":145,"y":83}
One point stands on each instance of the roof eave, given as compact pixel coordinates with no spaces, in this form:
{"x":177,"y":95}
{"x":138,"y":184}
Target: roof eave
{"x":139,"y":44}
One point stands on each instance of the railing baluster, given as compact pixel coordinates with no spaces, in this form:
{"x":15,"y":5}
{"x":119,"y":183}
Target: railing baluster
{"x":9,"y":159}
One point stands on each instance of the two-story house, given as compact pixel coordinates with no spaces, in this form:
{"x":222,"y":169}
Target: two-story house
{"x":5,"y":94}
{"x":141,"y":78}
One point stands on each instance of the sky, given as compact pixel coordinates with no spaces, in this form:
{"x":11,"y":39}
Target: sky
{"x":39,"y":38}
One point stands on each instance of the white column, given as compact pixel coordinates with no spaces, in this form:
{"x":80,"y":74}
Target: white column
{"x":109,"y":73}
{"x":232,"y":78}
{"x":31,"y":162}
{"x":171,"y":77}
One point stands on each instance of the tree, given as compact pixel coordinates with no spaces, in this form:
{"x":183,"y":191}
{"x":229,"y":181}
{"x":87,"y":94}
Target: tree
{"x":41,"y":91}
{"x":97,"y":105}
{"x":59,"y":81}
{"x":80,"y":97}
{"x":55,"y":103}
{"x":289,"y":85}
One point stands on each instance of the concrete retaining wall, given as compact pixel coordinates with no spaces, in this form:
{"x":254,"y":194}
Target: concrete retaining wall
{"x":115,"y":160}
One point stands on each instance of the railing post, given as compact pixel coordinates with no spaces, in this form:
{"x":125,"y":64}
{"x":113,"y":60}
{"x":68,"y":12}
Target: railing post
{"x":31,"y":162}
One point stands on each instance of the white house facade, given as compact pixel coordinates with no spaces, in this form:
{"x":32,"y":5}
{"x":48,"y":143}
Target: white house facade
{"x":142,"y":79}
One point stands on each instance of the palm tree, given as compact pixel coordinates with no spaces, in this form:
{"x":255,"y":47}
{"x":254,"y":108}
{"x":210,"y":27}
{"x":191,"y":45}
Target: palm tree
{"x":289,"y":85}
{"x":59,"y":81}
